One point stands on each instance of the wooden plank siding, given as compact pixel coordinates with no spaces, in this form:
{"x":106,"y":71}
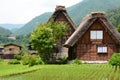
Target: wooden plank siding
{"x":11,"y":49}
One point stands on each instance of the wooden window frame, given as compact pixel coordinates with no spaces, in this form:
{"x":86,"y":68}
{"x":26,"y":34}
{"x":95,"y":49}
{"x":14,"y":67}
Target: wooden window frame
{"x":102,"y":49}
{"x":11,"y":49}
{"x":94,"y":35}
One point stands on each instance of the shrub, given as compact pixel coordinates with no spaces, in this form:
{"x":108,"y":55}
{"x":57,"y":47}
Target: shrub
{"x":31,"y":60}
{"x":58,"y":61}
{"x":18,"y":56}
{"x":115,"y":60}
{"x":39,"y":61}
{"x":13,"y":62}
{"x":62,"y":60}
{"x":76,"y":61}
{"x":25,"y":60}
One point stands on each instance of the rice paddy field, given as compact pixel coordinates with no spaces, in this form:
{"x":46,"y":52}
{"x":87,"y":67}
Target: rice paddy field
{"x":8,"y":70}
{"x":69,"y":72}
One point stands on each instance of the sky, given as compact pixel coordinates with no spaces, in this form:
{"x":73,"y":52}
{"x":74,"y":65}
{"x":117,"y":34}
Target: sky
{"x":22,"y":11}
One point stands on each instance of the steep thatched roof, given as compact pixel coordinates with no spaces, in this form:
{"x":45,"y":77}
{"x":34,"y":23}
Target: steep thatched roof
{"x":87,"y":22}
{"x":62,"y":10}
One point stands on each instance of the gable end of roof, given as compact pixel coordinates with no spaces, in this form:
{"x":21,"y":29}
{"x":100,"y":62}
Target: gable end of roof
{"x":86,"y":23}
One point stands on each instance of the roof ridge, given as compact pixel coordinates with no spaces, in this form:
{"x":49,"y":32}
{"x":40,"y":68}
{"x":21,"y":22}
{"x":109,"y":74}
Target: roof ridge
{"x":94,"y":14}
{"x":60,"y":7}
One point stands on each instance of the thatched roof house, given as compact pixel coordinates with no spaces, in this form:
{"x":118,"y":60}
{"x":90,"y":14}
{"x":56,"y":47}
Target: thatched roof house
{"x":61,"y":15}
{"x":95,"y":39}
{"x":85,"y":24}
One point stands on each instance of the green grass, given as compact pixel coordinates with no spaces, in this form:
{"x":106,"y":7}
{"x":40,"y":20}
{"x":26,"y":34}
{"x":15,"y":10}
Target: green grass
{"x":9,"y":69}
{"x":70,"y":72}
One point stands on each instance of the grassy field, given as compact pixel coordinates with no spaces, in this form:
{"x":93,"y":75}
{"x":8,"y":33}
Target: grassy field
{"x":7,"y":69}
{"x":70,"y":72}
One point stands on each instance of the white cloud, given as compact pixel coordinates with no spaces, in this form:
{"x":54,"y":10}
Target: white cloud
{"x":21,"y":11}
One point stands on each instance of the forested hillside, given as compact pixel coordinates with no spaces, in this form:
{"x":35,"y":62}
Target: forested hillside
{"x":27,"y":28}
{"x":4,"y":31}
{"x":114,"y":16}
{"x":20,"y":40}
{"x":77,"y":12}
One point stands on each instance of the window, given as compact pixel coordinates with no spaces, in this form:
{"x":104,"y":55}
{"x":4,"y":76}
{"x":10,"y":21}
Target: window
{"x":11,"y":49}
{"x":102,"y":49}
{"x":94,"y":34}
{"x":1,"y":50}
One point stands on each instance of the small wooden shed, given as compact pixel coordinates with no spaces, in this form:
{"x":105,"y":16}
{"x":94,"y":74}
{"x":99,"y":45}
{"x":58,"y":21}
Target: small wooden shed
{"x":61,"y":15}
{"x":10,"y":50}
{"x":94,"y":40}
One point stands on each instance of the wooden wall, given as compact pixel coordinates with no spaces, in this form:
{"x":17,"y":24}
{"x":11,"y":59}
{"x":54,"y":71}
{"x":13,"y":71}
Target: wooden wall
{"x":86,"y":49}
{"x":11,"y":49}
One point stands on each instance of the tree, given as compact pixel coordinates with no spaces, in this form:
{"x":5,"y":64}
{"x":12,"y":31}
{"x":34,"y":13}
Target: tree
{"x":42,"y":40}
{"x":59,"y":29}
{"x":118,"y":28}
{"x":45,"y":36}
{"x":115,"y":60}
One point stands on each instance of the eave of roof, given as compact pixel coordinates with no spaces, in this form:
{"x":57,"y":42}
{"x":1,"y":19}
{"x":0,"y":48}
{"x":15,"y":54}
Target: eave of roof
{"x":12,"y":44}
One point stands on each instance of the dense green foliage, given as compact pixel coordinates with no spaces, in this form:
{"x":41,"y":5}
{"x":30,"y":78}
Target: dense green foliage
{"x":18,"y":56}
{"x":76,"y":61}
{"x":31,"y":60}
{"x":115,"y":60}
{"x":13,"y":62}
{"x":5,"y":40}
{"x":42,"y":40}
{"x":70,"y":72}
{"x":63,"y":60}
{"x":118,"y":28}
{"x":45,"y":36}
{"x":77,"y":12}
{"x":20,"y":39}
{"x":114,"y":16}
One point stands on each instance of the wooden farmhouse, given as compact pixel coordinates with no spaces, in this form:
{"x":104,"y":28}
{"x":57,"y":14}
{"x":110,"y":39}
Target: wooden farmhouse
{"x":94,"y":40}
{"x":60,"y":14}
{"x":10,"y":50}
